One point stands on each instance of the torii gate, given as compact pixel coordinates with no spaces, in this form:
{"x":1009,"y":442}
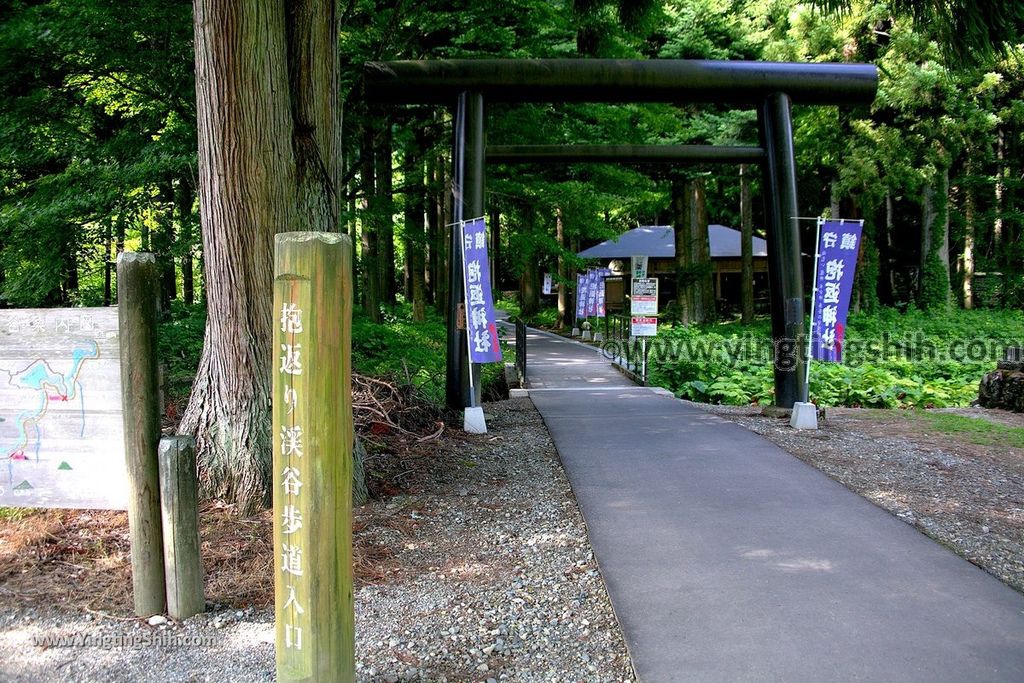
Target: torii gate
{"x":770,"y":87}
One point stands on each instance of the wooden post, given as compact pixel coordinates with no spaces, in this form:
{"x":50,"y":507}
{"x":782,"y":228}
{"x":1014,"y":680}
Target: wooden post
{"x":137,"y":296}
{"x":312,"y":475}
{"x":180,"y":507}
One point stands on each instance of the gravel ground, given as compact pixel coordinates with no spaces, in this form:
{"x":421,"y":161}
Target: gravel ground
{"x":967,"y":496}
{"x":492,"y":578}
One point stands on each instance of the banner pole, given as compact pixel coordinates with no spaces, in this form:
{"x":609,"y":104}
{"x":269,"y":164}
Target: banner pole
{"x":810,"y":327}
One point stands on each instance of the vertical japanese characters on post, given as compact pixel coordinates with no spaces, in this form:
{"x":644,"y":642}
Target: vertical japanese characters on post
{"x":289,"y":479}
{"x":312,"y":466}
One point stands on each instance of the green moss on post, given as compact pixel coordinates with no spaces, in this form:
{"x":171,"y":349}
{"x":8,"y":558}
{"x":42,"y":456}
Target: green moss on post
{"x":312,"y":476}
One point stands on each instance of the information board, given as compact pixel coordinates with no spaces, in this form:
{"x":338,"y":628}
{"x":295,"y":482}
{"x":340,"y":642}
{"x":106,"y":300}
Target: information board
{"x":61,"y":430}
{"x":644,"y":299}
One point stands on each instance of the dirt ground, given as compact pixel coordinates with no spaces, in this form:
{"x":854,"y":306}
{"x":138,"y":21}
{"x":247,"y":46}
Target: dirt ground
{"x":961,"y":483}
{"x":966,"y":490}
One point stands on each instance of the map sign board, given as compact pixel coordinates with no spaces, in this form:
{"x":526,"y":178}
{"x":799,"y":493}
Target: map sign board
{"x":644,"y":299}
{"x":61,"y":434}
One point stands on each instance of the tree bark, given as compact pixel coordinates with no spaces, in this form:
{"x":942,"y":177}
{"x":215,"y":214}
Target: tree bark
{"x":681,"y":230}
{"x":414,"y":230}
{"x":370,"y":226}
{"x":563,"y":304}
{"x":1000,"y":187}
{"x":385,"y":187}
{"x":495,"y":251}
{"x":185,"y":200}
{"x":529,"y":296}
{"x":970,"y":215}
{"x":700,"y":252}
{"x":430,"y":214}
{"x":440,"y":213}
{"x":266,"y":91}
{"x":746,"y":249}
{"x":108,"y":264}
{"x":163,"y":243}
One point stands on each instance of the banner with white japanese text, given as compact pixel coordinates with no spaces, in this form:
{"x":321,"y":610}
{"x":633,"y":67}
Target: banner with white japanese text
{"x":593,"y":282}
{"x":836,"y":265}
{"x":595,"y":291}
{"x":481,"y":322}
{"x":602,"y":273}
{"x":581,"y":295}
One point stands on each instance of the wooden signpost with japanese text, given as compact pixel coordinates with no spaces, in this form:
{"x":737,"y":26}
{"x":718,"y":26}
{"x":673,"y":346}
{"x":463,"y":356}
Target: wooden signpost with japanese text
{"x":312,"y":475}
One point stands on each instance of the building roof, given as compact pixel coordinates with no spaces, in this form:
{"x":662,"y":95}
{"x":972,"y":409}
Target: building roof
{"x":658,"y":241}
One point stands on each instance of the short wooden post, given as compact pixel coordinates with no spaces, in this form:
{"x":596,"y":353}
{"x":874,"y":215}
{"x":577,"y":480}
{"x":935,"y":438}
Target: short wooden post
{"x":180,"y":507}
{"x":312,"y":476}
{"x":137,"y":298}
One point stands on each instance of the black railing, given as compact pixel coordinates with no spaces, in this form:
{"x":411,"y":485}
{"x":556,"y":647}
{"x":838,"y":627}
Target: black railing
{"x":521,"y":350}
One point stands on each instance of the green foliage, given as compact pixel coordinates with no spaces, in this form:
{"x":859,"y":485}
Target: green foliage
{"x":180,"y":344}
{"x":977,"y":430}
{"x":412,"y":352}
{"x":14,"y":514}
{"x":892,"y":360}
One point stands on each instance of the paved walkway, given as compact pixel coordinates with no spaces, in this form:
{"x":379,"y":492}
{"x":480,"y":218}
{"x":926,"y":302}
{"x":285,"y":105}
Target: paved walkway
{"x":727,"y":559}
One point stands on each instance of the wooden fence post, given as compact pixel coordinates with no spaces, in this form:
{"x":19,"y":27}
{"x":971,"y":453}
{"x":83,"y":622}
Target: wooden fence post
{"x":312,"y":475}
{"x":180,"y":506}
{"x":137,"y":297}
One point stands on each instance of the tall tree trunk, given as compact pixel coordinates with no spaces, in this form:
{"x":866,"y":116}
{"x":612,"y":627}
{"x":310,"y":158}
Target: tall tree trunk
{"x":943,"y":250}
{"x":430,"y":211}
{"x":970,"y":215}
{"x":385,"y":183}
{"x":529,"y":296}
{"x":266,"y":90}
{"x":440,"y":211}
{"x":683,"y":264}
{"x":563,"y":302}
{"x":353,"y":236}
{"x":746,"y":249}
{"x":888,"y":274}
{"x":1000,"y":188}
{"x":834,"y":198}
{"x":69,"y":253}
{"x":163,"y":247}
{"x":108,"y":263}
{"x":370,"y":226}
{"x":700,"y":252}
{"x":414,"y":230}
{"x":186,"y":198}
{"x":495,"y":250}
{"x":119,"y":232}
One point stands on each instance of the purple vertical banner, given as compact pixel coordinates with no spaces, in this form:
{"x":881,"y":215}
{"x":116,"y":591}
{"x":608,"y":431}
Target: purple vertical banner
{"x":581,"y":295}
{"x":593,"y":281}
{"x":602,"y":274}
{"x":481,"y":325}
{"x":838,"y":246}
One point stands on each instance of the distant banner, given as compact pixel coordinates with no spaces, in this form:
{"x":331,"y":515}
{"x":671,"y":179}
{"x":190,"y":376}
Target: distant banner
{"x":835,"y":267}
{"x":581,"y":295}
{"x":481,"y":325}
{"x":602,"y":273}
{"x":593,"y":282}
{"x":548,"y":283}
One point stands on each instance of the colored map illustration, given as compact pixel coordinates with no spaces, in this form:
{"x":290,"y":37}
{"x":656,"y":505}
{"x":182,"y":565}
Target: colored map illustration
{"x":61,"y":437}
